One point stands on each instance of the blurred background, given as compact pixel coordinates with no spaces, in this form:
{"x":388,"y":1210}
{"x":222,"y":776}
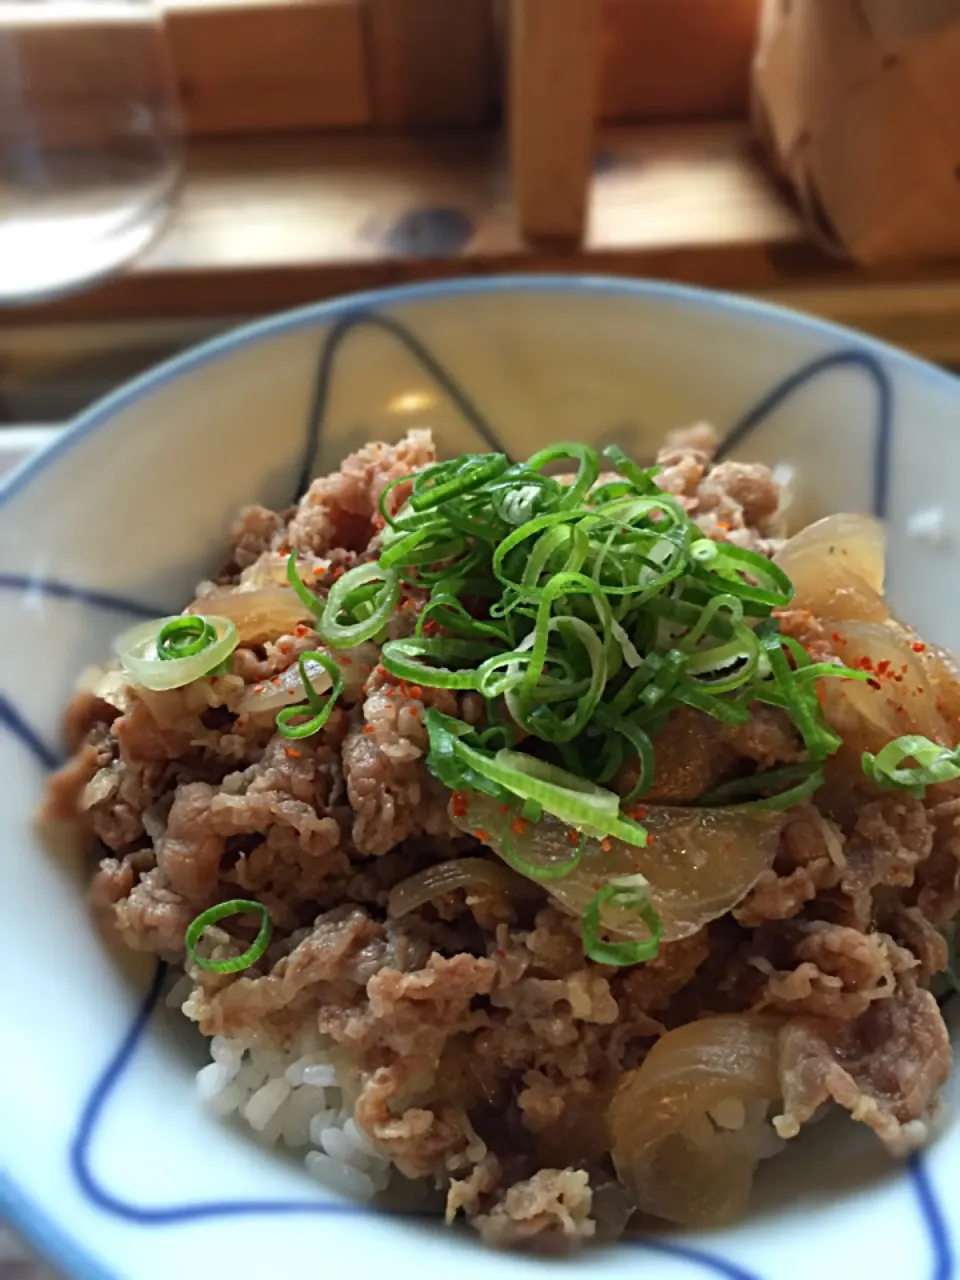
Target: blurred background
{"x":171,"y":168}
{"x":251,"y":155}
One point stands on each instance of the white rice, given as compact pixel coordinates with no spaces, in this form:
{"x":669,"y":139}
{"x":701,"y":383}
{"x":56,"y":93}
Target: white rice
{"x":295,"y":1097}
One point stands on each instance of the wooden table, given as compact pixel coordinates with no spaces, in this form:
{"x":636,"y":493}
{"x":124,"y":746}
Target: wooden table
{"x":264,"y":225}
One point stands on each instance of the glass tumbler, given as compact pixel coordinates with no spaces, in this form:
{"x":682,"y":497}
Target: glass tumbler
{"x":89,"y":140}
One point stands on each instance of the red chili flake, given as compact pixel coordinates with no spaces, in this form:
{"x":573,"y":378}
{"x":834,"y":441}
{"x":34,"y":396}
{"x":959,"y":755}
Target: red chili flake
{"x":368,"y":728}
{"x":504,"y":808}
{"x":481,"y":835}
{"x":458,"y":804}
{"x":284,"y":550}
{"x":416,"y":691}
{"x":415,"y":712}
{"x":430,"y":627}
{"x":283,"y":646}
{"x":650,"y":837}
{"x":873,"y":684}
{"x":500,"y":953}
{"x":899,"y":679}
{"x":883,"y":667}
{"x":518,"y":826}
{"x":293,"y":752}
{"x":920,"y":688}
{"x":837,"y":638}
{"x":342,"y":660}
{"x":918,"y":646}
{"x":572,"y":836}
{"x":903,"y":669}
{"x":337,"y":573}
{"x":639,"y":813}
{"x":258,"y":688}
{"x":320,"y":570}
{"x":275,"y":680}
{"x":239,"y":722}
{"x":301,"y":629}
{"x":597,"y":884}
{"x":605,"y":845}
{"x":724,"y":525}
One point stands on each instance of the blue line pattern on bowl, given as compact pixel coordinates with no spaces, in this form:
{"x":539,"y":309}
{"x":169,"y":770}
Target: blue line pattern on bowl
{"x":21,"y":729}
{"x":414,"y":346}
{"x":11,"y":719}
{"x":31,"y":584}
{"x":776,"y":396}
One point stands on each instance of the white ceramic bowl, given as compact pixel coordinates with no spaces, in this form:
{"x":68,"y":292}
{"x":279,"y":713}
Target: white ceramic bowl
{"x":107,"y":1163}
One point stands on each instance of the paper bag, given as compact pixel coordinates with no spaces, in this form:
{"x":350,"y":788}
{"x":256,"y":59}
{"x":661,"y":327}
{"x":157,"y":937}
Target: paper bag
{"x":858,"y":105}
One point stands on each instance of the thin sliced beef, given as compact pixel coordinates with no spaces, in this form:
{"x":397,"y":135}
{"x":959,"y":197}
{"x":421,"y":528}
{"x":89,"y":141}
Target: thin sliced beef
{"x":339,"y":511}
{"x":552,"y":1209}
{"x":390,"y":790}
{"x":885,"y":1067}
{"x":840,"y":973}
{"x":810,"y":859}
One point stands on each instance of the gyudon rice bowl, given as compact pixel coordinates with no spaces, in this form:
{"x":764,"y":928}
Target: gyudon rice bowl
{"x":564,"y":841}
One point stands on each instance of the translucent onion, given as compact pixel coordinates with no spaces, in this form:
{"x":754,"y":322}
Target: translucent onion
{"x":109,"y":684}
{"x":837,"y":568}
{"x":688,"y":1126}
{"x":942,"y":667}
{"x":260,"y":615}
{"x":137,"y":651}
{"x":700,"y":863}
{"x":286,"y":689}
{"x":458,"y":873}
{"x":901,"y":700}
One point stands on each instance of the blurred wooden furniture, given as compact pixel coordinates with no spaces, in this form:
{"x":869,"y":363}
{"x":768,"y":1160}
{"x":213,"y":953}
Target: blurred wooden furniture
{"x":554,"y":48}
{"x":351,"y":144}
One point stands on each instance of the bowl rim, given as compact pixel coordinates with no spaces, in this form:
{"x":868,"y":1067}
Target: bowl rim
{"x":283,"y":322}
{"x":27,"y":1215}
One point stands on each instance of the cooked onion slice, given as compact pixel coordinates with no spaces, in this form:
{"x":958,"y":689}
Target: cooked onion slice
{"x":458,"y":873}
{"x":902,"y":699}
{"x":286,"y":689}
{"x":688,"y":1126}
{"x":140,"y":655}
{"x":837,"y":568}
{"x":260,"y":615}
{"x":699,"y":864}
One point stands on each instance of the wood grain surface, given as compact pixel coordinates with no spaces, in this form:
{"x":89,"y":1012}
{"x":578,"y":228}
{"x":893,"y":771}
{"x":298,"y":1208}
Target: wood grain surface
{"x":264,"y":225}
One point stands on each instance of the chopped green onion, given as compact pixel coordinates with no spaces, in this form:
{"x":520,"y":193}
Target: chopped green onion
{"x":641,"y":744}
{"x":934,"y":764}
{"x":305,"y":596}
{"x":468,"y":472}
{"x":801,"y":700}
{"x":642,"y":481}
{"x":343,"y":599}
{"x":236,"y":906}
{"x":288,"y":722}
{"x":205,"y":645}
{"x":185,"y":636}
{"x":510,"y":775}
{"x":625,"y":893}
{"x":807,"y":777}
{"x":400,"y":657}
{"x":538,"y":870}
{"x":586,"y":476}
